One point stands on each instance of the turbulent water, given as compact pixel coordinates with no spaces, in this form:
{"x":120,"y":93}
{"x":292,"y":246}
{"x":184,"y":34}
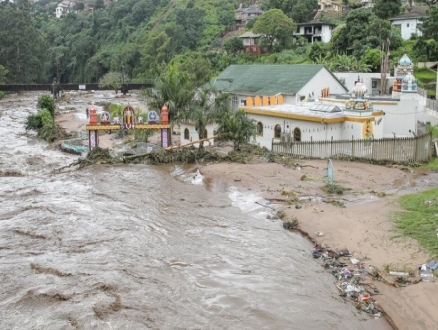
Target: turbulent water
{"x":142,"y":247}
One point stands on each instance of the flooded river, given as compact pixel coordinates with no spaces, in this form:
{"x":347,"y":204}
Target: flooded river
{"x":143,"y":247}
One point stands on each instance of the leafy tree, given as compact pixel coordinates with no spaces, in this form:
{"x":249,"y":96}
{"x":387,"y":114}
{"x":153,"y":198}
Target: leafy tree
{"x":113,"y":80}
{"x":234,"y":45}
{"x":196,"y":66}
{"x":22,"y":50}
{"x":318,"y":50}
{"x":425,"y":50}
{"x":298,"y":10}
{"x":430,"y":24}
{"x":79,"y":6}
{"x":387,"y":8}
{"x":99,"y":4}
{"x":46,"y":102}
{"x":191,"y":21}
{"x":3,"y":73}
{"x":156,"y":50}
{"x":249,"y":25}
{"x":354,"y":33}
{"x":237,"y":127}
{"x":372,"y":57}
{"x":274,"y":27}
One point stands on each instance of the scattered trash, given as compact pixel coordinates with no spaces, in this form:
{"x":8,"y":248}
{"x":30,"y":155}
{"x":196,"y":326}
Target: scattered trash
{"x":319,"y":233}
{"x":364,"y":297}
{"x":353,"y":280}
{"x":432,"y":265}
{"x":426,"y":272}
{"x":290,"y":224}
{"x":298,"y":206}
{"x":398,"y":274}
{"x":354,"y":261}
{"x":377,"y":315}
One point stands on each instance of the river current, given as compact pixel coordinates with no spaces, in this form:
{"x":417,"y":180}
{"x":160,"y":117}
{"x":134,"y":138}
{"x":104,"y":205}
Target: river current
{"x":146,"y":247}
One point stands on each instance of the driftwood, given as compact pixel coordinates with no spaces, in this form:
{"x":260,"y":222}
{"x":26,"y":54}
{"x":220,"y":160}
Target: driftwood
{"x":68,"y":166}
{"x":191,"y":143}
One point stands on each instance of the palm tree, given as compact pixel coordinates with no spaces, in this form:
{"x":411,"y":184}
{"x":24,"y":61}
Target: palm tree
{"x":173,"y":88}
{"x":201,"y":112}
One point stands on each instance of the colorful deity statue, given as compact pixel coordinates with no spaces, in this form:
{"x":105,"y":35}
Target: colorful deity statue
{"x":128,"y":117}
{"x":359,"y":99}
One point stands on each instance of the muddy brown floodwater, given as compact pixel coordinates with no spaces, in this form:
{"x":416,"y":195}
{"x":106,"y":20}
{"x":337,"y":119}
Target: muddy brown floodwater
{"x":143,"y":247}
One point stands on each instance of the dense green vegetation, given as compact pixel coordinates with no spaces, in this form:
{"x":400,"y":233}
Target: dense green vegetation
{"x":419,"y":220}
{"x":43,"y":121}
{"x":137,"y":39}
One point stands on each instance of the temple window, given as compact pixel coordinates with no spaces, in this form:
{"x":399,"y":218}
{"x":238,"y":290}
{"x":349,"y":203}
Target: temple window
{"x":186,"y":134}
{"x":260,"y":128}
{"x":277,"y":131}
{"x":297,"y":134}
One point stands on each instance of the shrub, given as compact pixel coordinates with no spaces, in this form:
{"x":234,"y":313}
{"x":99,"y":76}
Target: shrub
{"x":46,"y":102}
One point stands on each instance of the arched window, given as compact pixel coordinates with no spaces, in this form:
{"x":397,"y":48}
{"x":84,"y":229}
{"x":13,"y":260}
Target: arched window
{"x":297,"y":134}
{"x":277,"y":131}
{"x":205,"y":134}
{"x":186,"y":134}
{"x":260,"y":128}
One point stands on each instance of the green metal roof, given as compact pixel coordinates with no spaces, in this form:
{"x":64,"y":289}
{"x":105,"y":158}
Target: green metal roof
{"x":271,"y":79}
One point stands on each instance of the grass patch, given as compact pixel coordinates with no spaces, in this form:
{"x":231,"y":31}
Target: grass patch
{"x":334,"y":189}
{"x":431,"y":165}
{"x":419,"y":220}
{"x":424,"y":74}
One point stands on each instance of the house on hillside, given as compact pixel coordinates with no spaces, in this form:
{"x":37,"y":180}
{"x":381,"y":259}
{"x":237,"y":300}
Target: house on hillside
{"x":252,"y":44}
{"x":64,"y":8}
{"x":367,"y":3}
{"x":315,"y":31}
{"x":329,"y":5}
{"x":244,"y":15}
{"x":409,"y":23}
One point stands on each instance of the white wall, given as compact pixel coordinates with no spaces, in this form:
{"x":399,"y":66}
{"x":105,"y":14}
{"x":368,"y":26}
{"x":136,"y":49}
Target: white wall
{"x":309,"y":130}
{"x":326,"y":33}
{"x":406,"y":31}
{"x":321,"y":80}
{"x":351,"y":77}
{"x":193,"y":134}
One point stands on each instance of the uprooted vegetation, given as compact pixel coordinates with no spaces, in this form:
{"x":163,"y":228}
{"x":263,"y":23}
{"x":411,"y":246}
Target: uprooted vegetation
{"x":163,"y":156}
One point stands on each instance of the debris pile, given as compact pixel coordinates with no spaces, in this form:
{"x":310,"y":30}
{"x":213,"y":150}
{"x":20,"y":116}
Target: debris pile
{"x":98,"y":156}
{"x":353,"y":279}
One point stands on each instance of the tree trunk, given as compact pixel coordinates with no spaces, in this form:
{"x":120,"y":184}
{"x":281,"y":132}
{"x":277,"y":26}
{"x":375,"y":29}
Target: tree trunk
{"x":384,"y":65}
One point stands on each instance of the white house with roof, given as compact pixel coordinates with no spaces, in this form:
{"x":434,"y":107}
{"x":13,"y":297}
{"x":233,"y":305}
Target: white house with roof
{"x":64,"y":8}
{"x":315,"y":31}
{"x":408,"y":23}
